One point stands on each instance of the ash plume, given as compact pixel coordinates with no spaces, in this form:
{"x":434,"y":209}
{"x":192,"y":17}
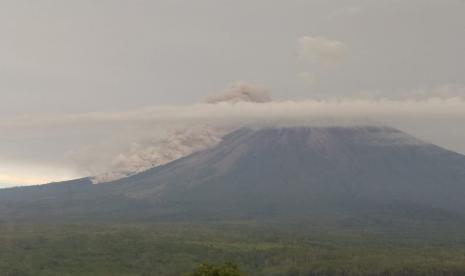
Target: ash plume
{"x":149,"y":152}
{"x":241,"y":91}
{"x":145,"y":153}
{"x":136,"y":140}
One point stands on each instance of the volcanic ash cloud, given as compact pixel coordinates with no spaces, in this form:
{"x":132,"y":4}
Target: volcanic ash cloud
{"x":241,"y":91}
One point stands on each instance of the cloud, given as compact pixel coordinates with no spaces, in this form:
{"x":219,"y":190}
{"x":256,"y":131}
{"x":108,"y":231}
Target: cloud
{"x":245,"y":112}
{"x":135,"y":140}
{"x":444,"y":91}
{"x":321,"y":50}
{"x":224,"y":112}
{"x":241,"y":91}
{"x":198,"y":127}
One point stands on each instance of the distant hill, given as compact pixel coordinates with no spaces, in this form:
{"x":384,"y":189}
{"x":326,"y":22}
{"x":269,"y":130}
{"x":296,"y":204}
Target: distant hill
{"x":268,"y":173}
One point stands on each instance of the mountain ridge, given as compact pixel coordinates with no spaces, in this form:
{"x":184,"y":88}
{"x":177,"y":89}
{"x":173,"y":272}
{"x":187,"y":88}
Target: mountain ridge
{"x":269,"y":173}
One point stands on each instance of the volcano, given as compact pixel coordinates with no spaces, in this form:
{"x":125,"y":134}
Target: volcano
{"x":268,"y":173}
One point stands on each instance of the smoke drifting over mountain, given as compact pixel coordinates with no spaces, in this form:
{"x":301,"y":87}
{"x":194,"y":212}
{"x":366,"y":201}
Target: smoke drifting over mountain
{"x":136,"y":140}
{"x":144,"y":153}
{"x":148,"y":152}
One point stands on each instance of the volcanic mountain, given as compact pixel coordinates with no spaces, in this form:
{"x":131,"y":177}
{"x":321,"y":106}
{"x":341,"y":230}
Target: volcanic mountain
{"x":269,"y":173}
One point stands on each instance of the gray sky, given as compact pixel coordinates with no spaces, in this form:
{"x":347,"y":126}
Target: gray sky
{"x":109,"y":56}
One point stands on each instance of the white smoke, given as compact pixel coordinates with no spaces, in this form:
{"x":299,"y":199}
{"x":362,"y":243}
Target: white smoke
{"x":201,"y":126}
{"x":144,"y":153}
{"x":241,"y":91}
{"x":140,"y":139}
{"x":152,"y":151}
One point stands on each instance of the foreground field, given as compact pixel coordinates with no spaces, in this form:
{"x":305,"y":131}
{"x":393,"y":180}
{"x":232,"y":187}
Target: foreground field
{"x":259,"y":249}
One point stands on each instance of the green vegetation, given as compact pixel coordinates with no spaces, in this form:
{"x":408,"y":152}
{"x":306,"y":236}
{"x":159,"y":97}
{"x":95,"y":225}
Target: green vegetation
{"x":227,"y":269}
{"x":258,"y":248}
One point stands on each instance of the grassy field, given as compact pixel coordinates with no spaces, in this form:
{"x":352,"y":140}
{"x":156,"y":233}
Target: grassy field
{"x":264,"y":248}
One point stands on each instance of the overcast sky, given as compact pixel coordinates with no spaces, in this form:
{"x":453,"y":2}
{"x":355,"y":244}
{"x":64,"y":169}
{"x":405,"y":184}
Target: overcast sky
{"x":78,"y":57}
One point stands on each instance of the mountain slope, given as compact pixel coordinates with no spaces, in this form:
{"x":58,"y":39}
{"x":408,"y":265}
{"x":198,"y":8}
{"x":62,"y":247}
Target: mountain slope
{"x":272,"y":173}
